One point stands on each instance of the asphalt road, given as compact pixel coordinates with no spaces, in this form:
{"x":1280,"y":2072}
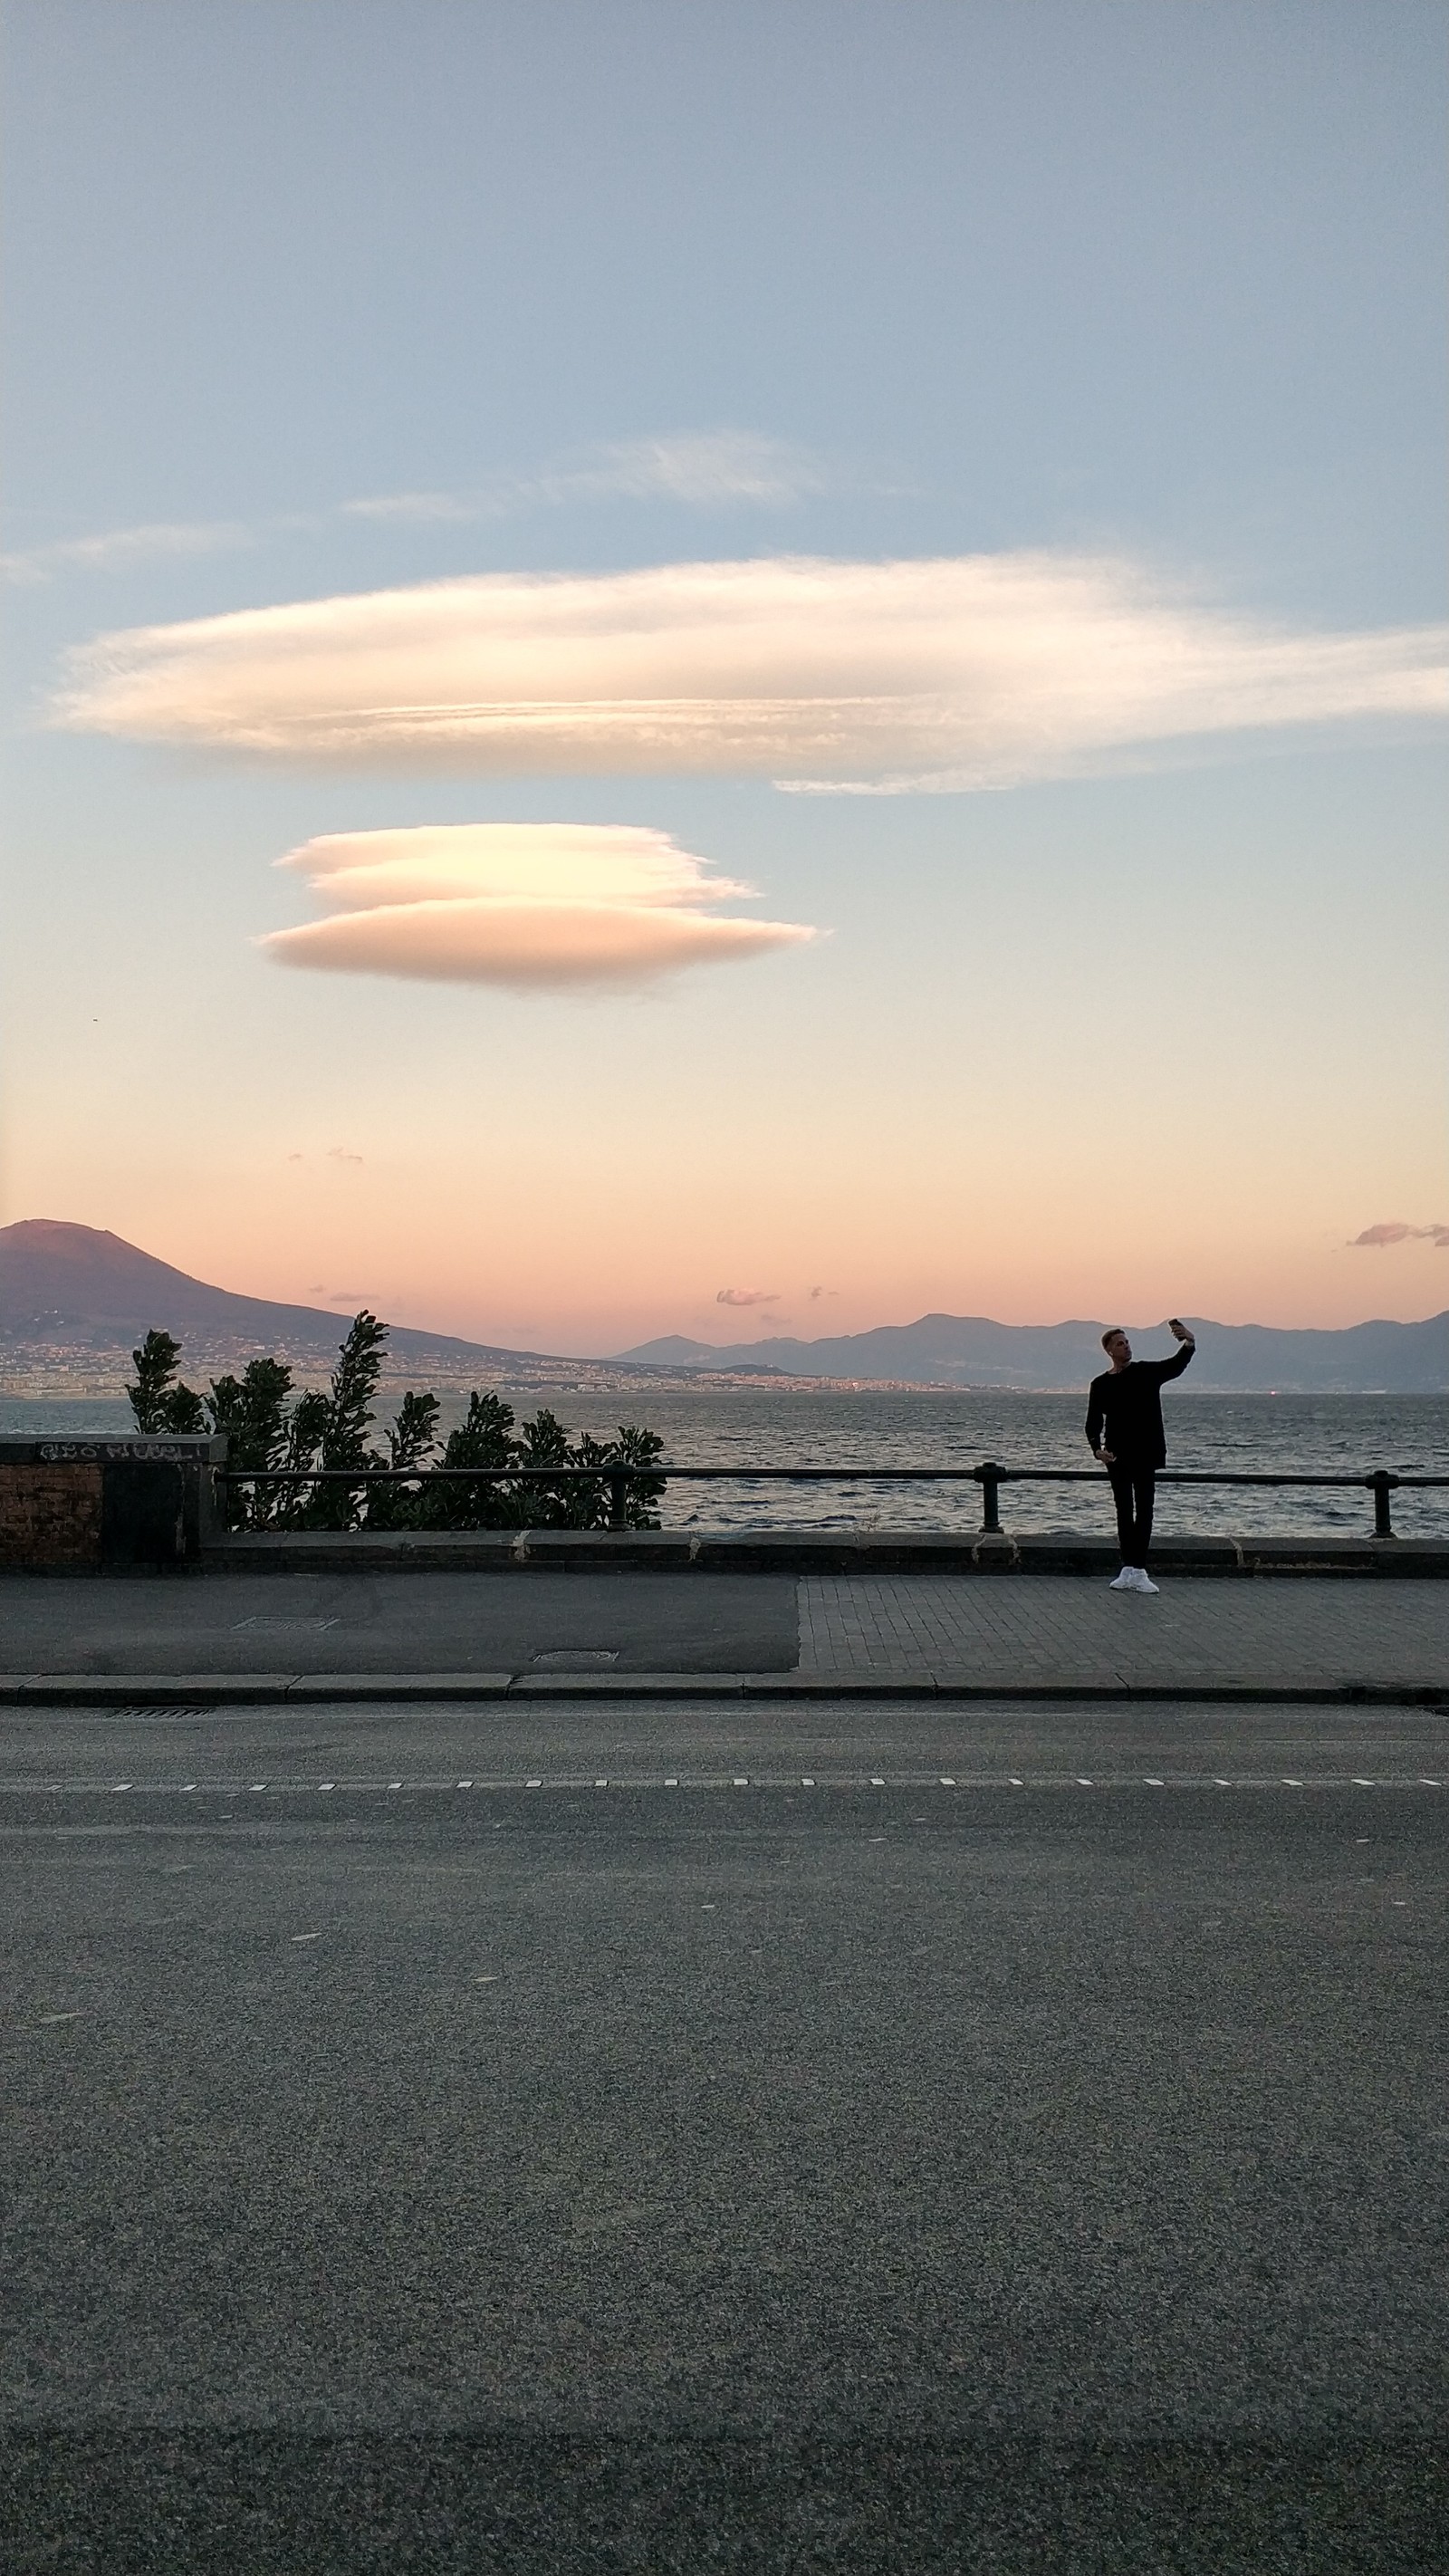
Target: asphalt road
{"x":937,"y":2174}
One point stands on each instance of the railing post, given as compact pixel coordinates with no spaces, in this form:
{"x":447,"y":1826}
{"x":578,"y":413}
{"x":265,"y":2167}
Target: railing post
{"x":990,"y":1475}
{"x":1383,"y":1484}
{"x":618,"y":1502}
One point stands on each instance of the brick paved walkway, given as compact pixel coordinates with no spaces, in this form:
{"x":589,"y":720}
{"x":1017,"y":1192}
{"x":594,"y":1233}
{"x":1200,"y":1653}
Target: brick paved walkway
{"x":1068,"y":1628}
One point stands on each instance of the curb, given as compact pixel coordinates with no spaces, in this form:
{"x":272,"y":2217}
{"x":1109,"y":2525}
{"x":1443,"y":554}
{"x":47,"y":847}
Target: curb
{"x":796,"y":1552}
{"x":259,"y":1690}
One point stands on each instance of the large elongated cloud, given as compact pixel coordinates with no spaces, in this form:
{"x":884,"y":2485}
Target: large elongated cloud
{"x":518,"y":903}
{"x":958,"y":673}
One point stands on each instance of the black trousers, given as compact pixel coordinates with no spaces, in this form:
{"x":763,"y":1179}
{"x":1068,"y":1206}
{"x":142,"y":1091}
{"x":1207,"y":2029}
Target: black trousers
{"x":1133,"y":1491}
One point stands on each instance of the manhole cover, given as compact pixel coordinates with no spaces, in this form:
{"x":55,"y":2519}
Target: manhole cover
{"x":574,"y":1659}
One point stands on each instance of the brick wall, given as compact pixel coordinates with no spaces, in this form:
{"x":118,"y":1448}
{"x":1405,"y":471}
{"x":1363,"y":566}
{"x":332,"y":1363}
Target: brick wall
{"x":50,"y":1514}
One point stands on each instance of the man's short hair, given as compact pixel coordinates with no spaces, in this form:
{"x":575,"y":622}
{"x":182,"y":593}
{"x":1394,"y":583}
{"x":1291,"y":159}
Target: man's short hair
{"x":1114,"y":1332}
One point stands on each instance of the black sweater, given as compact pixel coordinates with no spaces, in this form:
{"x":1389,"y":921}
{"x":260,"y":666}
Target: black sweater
{"x":1124,"y":1409}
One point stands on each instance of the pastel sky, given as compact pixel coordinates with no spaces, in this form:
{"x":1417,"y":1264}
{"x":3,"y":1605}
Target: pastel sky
{"x":724,"y":670}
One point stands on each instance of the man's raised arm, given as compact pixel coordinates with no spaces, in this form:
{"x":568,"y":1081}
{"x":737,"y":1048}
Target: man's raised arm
{"x":1175,"y":1366}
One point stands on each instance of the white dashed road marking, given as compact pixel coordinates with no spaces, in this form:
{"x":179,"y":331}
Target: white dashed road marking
{"x":914,"y":1781}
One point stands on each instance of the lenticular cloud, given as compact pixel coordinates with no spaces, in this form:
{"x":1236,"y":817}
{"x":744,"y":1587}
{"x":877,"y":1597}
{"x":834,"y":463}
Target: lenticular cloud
{"x":518,"y":903}
{"x":966,"y":672}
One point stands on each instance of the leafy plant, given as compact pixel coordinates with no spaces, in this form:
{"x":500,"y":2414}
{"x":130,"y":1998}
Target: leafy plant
{"x":409,"y":1440}
{"x":483,"y":1439}
{"x":252,"y":1411}
{"x":158,"y":1402}
{"x":344,"y":1417}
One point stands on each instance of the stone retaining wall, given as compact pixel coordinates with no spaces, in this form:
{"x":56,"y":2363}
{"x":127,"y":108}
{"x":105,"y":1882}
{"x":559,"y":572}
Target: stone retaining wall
{"x":71,"y":1506}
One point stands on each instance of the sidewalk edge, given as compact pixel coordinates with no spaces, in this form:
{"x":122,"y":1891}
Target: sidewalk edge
{"x":250,"y":1690}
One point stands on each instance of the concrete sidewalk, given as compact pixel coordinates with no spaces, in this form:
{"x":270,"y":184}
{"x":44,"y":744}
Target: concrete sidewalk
{"x":421,"y":1636}
{"x":1071,"y":1630}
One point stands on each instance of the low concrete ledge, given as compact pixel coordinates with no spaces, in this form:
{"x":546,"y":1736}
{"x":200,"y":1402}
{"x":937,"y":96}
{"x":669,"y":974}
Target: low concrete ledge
{"x":800,"y":1551}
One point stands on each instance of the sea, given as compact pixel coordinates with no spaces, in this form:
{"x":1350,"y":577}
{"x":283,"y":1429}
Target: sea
{"x":755,"y":1426}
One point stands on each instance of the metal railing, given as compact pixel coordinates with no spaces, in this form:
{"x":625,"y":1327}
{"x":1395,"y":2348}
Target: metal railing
{"x":989,"y":1474}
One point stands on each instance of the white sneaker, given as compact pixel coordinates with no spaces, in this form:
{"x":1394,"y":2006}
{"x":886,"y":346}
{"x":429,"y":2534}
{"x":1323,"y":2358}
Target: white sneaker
{"x":1144,"y":1582}
{"x":1126,"y":1581}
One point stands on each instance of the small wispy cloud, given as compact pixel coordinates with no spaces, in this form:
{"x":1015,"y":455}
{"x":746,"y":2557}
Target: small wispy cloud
{"x":969,"y":672}
{"x":710,"y":470}
{"x":421,"y":507}
{"x":340,"y":1154}
{"x":523,"y":904}
{"x":747,"y":1296}
{"x":116,"y":548}
{"x":1377,"y":1238}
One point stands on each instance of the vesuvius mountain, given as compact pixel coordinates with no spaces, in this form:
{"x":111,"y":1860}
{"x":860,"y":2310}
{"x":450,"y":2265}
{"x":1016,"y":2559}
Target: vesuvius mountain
{"x":79,"y":1286}
{"x":971,"y":1350}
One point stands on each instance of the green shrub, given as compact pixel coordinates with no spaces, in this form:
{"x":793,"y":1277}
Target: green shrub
{"x":157,"y":1403}
{"x":332,"y":1430}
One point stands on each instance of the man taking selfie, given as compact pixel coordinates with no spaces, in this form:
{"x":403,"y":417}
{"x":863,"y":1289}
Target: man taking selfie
{"x":1124,"y":1427}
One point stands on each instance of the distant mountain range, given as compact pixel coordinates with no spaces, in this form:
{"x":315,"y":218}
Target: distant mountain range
{"x":74,"y":1288}
{"x":971,"y":1350}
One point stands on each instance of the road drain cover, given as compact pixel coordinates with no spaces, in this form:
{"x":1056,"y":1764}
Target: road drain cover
{"x":575,"y":1659}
